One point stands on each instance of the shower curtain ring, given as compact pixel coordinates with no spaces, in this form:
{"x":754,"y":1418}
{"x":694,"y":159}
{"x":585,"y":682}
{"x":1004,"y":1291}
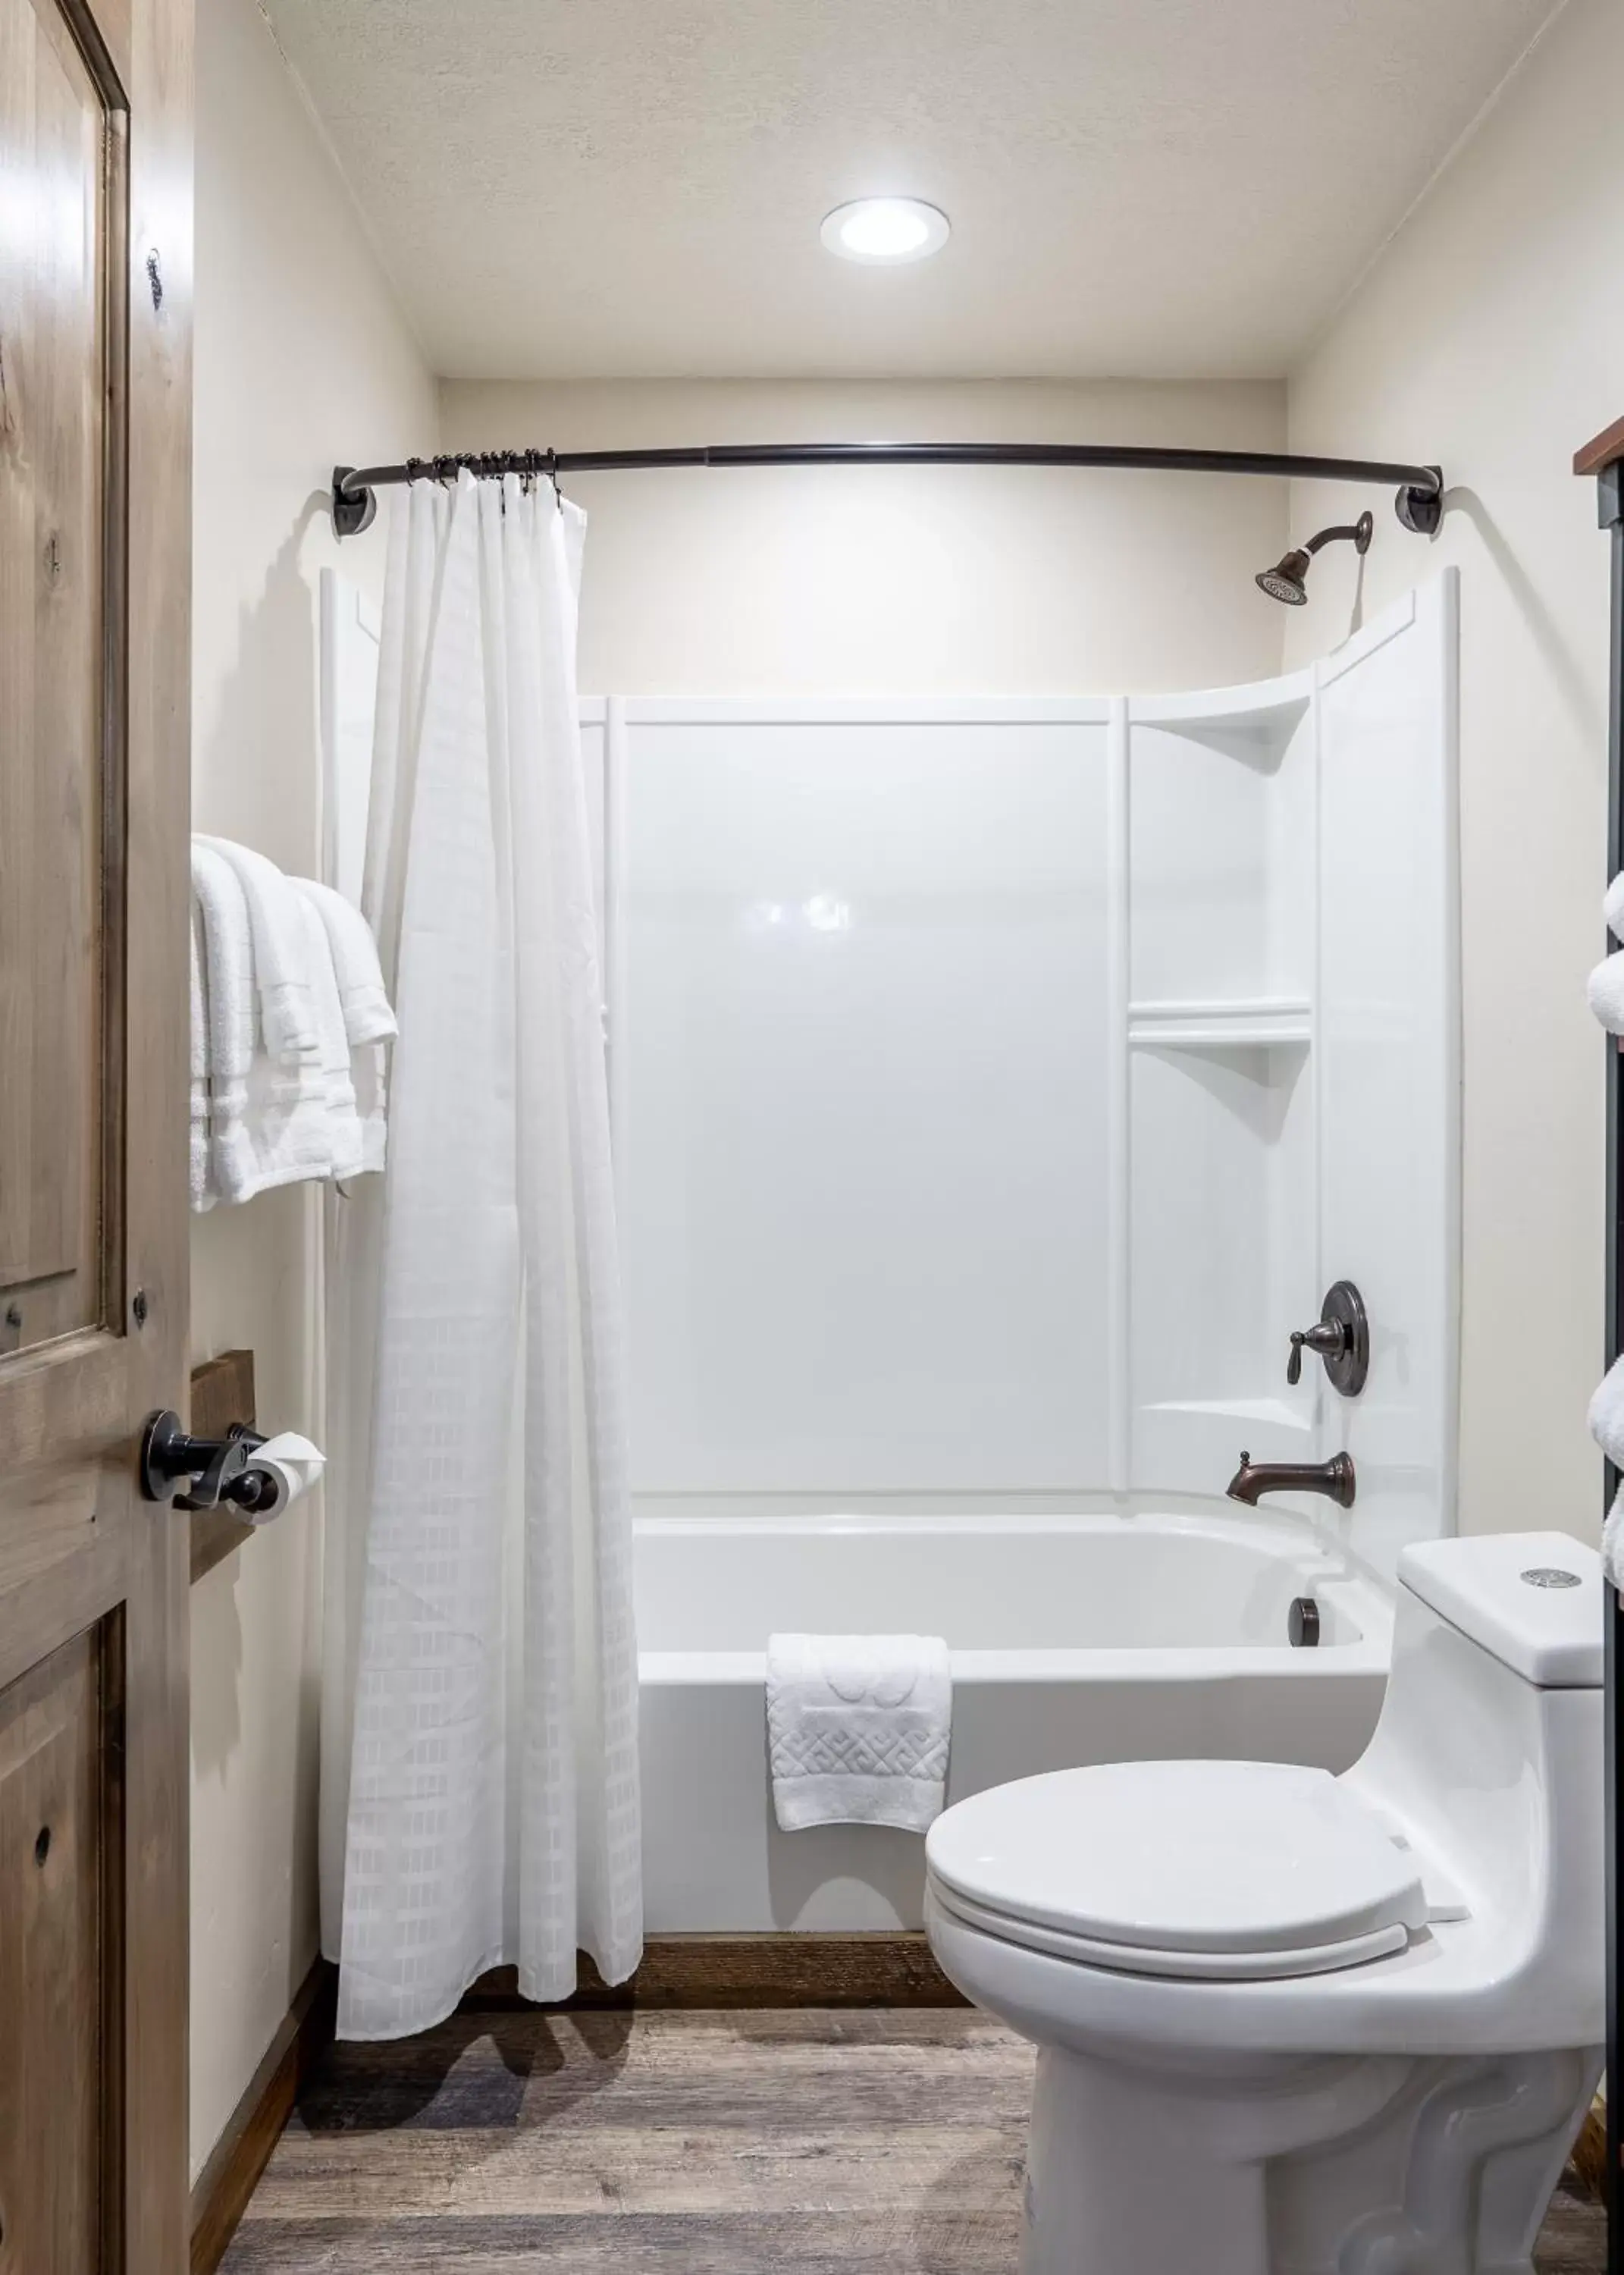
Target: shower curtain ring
{"x":552,"y":475}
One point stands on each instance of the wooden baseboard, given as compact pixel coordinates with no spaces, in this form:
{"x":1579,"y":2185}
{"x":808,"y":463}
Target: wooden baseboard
{"x":894,"y":1969}
{"x":220,"y":2197}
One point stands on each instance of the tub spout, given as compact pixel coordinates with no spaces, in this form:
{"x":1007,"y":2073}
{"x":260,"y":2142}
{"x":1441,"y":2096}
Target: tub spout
{"x":1334,"y":1479}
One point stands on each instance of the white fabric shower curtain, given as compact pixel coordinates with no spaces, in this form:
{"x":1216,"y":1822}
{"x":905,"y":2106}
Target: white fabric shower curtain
{"x":480,"y":1797}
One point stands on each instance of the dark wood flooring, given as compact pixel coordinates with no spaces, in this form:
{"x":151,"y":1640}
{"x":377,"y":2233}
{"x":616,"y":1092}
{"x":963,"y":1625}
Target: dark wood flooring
{"x":783,"y":2142}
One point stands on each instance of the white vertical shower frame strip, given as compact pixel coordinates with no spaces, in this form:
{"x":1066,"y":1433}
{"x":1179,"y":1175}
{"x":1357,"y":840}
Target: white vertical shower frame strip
{"x":1117,"y":1077}
{"x":1323,"y":1394}
{"x":615,"y":932}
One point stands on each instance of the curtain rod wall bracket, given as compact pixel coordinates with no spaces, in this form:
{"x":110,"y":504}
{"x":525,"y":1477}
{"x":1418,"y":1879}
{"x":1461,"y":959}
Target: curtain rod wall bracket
{"x":1422,"y":510}
{"x":1419,"y":502}
{"x":353,"y":510}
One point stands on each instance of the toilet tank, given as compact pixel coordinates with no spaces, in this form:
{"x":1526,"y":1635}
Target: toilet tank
{"x":1531,"y":1599}
{"x":1488,"y":1752}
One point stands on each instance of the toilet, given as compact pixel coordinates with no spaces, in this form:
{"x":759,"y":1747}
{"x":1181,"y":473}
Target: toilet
{"x":1297,"y":2024}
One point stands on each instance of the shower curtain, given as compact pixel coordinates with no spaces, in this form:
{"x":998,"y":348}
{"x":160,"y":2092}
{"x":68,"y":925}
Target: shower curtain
{"x":479,"y":1792}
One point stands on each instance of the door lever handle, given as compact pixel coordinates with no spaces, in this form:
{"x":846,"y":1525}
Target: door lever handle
{"x":212,"y":1470}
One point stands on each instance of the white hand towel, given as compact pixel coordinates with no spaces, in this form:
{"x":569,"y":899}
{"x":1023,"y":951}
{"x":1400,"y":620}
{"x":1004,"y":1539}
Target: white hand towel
{"x":1605,"y":990}
{"x":268,"y":1122}
{"x":367,"y":1015}
{"x":858,"y":1729}
{"x":1612,"y":906}
{"x":281,"y":951}
{"x":200,"y":1168}
{"x":1607,"y":1414}
{"x":338,"y":1090}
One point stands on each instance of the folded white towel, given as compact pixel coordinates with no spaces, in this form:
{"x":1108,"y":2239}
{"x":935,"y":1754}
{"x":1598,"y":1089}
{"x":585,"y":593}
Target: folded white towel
{"x":269,"y":1121}
{"x":1607,"y":1414}
{"x":281,"y":950}
{"x":1612,"y":906}
{"x":200,"y":1168}
{"x":858,"y":1729}
{"x":367,"y":1015}
{"x":1605,"y":990}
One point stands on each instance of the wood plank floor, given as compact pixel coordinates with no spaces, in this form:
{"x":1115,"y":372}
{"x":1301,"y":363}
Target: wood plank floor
{"x":803,"y":2142}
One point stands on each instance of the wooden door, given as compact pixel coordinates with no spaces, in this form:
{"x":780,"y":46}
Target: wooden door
{"x":94,"y":669}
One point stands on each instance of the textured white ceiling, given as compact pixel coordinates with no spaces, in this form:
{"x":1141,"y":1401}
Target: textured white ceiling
{"x":575,"y":188}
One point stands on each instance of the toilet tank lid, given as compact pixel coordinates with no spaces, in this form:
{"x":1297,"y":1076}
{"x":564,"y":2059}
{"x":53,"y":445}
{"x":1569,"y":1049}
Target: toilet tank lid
{"x":1534,"y":1599}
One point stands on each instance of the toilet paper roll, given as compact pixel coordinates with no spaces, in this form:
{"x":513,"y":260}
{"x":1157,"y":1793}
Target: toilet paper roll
{"x":291,"y":1464}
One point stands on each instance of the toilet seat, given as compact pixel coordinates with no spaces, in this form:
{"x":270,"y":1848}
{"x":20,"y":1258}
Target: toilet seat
{"x":1215,"y":1871}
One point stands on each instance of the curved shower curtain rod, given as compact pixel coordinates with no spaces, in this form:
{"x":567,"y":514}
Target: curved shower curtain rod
{"x":1419,"y":504}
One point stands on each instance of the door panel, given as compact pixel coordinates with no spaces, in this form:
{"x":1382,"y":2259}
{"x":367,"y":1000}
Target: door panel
{"x":94,"y":669}
{"x":53,"y":563}
{"x":53,"y":1803}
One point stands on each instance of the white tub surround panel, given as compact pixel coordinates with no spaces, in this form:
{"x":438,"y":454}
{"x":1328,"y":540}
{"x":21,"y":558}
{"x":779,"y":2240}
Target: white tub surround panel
{"x":1389,"y":1057}
{"x":997,"y":1085}
{"x":864,"y":1096}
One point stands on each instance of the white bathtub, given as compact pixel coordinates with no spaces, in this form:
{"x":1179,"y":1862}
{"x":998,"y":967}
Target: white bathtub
{"x":1074,"y":1639}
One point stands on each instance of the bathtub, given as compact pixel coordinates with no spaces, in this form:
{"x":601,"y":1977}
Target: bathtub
{"x":1074,"y":1639}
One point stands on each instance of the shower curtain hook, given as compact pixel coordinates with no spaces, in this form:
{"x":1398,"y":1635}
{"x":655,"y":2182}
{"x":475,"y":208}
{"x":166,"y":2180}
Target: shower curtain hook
{"x":552,"y":475}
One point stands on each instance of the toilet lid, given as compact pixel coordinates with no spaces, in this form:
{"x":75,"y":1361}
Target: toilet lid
{"x":1191,"y":1857}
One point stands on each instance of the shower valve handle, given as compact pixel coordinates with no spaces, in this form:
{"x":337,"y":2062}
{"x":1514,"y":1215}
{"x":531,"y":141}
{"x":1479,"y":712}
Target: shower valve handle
{"x":1340,"y":1337}
{"x":1327,"y":1337}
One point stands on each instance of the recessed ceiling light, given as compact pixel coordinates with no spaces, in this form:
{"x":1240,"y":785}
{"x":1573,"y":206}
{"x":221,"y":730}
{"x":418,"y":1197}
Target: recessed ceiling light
{"x":884,"y":229}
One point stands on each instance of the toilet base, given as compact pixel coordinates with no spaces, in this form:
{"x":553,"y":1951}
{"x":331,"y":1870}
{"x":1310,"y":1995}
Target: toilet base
{"x":1289,"y":2165}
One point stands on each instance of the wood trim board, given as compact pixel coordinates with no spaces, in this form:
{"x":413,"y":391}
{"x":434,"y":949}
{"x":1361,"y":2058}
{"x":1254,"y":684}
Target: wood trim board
{"x":222,"y":1393}
{"x":1601,"y":451}
{"x":785,"y":1969}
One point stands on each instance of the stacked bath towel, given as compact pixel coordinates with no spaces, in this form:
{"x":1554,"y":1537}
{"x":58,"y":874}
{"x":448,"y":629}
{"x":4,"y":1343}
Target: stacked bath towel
{"x":289,"y":1022}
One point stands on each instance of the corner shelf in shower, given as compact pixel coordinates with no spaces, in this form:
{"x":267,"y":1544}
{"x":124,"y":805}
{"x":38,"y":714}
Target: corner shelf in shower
{"x":1263,"y":716}
{"x":1268,"y":1022}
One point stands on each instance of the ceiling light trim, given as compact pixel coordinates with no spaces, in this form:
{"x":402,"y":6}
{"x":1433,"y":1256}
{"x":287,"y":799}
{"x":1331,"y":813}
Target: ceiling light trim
{"x":886,"y":232}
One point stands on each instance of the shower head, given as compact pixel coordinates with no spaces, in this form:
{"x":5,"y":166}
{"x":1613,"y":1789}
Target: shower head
{"x":1286,"y":581}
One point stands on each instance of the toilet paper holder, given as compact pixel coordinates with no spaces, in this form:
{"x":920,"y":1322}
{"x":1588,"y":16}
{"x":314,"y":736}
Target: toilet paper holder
{"x":214,"y":1470}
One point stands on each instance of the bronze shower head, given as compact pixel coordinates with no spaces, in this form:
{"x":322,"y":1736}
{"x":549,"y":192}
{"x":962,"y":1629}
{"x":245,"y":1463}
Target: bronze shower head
{"x":1286,"y":581}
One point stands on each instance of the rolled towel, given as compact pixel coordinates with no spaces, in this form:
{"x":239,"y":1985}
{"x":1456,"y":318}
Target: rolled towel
{"x":1612,"y":906}
{"x":1605,"y":990}
{"x":1607,"y":1414}
{"x":281,"y":950}
{"x":858,"y":1729}
{"x":367,"y":1015}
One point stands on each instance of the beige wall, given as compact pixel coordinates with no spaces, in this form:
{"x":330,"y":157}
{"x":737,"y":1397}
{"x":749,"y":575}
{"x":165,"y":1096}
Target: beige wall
{"x":1490,"y":337}
{"x":301,"y":358}
{"x":864,"y":581}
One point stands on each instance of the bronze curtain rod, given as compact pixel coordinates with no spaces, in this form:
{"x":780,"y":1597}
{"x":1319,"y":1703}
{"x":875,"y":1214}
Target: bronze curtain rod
{"x":1419,"y":504}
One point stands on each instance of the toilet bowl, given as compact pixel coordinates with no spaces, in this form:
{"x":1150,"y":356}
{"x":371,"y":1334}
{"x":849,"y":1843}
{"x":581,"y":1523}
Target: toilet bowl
{"x":1294,"y":2024}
